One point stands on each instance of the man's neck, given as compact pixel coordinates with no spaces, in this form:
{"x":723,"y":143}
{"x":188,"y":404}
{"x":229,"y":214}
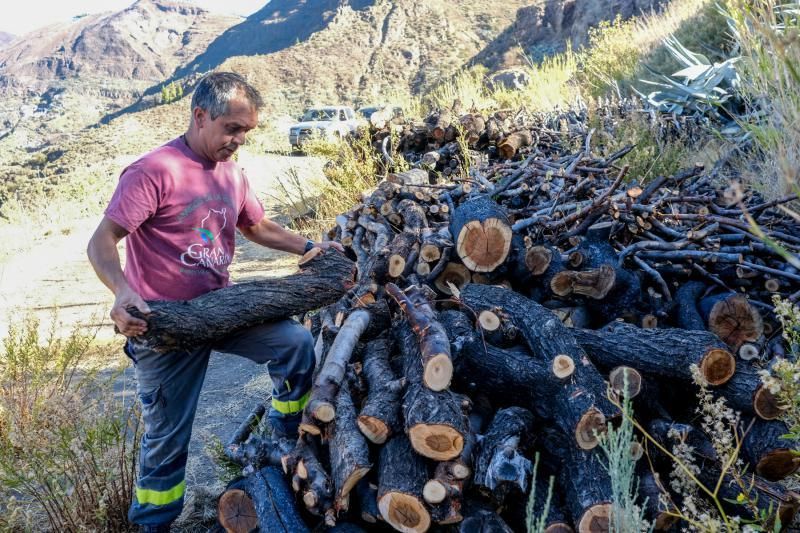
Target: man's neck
{"x":191,"y":142}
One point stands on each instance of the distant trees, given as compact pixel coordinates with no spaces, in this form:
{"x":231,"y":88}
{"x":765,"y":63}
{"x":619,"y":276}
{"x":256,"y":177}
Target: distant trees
{"x":171,"y":92}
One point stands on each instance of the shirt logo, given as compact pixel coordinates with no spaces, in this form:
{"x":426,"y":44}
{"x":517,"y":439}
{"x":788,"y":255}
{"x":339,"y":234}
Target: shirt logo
{"x":209,"y":253}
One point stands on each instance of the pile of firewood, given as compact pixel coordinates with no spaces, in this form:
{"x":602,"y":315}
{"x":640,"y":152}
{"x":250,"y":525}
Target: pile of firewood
{"x":501,"y":306}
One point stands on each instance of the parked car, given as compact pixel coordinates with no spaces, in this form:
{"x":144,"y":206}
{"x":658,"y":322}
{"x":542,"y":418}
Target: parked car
{"x":388,"y":111}
{"x":328,"y":122}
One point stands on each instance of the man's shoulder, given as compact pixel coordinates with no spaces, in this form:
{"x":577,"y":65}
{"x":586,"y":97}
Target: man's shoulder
{"x":160,"y":161}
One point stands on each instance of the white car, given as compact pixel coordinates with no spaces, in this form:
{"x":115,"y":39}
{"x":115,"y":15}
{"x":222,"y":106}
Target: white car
{"x":328,"y":122}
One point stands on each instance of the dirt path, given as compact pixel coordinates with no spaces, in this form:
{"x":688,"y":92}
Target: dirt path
{"x":53,"y":280}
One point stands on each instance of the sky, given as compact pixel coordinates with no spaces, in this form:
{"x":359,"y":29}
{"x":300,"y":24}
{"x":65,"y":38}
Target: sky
{"x":19,"y":18}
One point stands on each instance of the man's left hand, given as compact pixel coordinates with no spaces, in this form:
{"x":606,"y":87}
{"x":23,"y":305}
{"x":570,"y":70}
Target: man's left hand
{"x":325,"y":245}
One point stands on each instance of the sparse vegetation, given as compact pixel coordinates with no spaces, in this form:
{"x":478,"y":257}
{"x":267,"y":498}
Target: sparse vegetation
{"x":67,"y":447}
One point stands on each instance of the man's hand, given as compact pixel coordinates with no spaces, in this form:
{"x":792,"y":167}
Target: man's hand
{"x":127,"y":324}
{"x":325,"y":245}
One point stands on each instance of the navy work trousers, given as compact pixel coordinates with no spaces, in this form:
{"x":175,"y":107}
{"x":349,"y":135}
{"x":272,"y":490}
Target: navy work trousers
{"x":168,"y":386}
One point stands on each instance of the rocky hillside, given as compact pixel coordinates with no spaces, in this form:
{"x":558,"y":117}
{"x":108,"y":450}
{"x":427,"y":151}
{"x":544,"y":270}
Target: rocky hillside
{"x":546,"y":27}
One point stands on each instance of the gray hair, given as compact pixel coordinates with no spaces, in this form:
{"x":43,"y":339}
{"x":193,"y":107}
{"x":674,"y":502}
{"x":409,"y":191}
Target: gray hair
{"x":215,"y":90}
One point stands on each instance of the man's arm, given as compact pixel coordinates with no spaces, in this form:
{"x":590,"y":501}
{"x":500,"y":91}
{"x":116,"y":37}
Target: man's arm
{"x":103,"y":255}
{"x":273,"y":235}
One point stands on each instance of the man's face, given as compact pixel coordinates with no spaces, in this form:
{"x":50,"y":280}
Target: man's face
{"x":221,"y":137}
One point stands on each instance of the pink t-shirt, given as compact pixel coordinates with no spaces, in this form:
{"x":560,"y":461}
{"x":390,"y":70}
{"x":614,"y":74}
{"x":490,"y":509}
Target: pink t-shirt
{"x":182,"y":211}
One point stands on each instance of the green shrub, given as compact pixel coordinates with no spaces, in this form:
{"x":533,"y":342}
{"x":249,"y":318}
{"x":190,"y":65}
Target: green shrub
{"x":67,"y":448}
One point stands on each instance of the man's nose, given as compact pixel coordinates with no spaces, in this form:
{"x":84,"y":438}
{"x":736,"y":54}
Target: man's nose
{"x":239,"y":138}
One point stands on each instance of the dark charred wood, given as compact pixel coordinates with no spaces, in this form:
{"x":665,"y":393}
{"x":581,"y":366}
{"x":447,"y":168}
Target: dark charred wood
{"x":587,"y":490}
{"x":402,"y":476}
{"x":309,"y":479}
{"x":583,"y":406}
{"x":323,"y":278}
{"x":482,"y":520}
{"x":500,"y":466}
{"x":367,"y":495}
{"x":380,"y":415}
{"x":261,"y":501}
{"x":769,"y":454}
{"x":349,"y":454}
{"x":687,"y":297}
{"x":660,"y":352}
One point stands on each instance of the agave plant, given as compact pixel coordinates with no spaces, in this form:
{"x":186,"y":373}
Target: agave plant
{"x":701,"y":88}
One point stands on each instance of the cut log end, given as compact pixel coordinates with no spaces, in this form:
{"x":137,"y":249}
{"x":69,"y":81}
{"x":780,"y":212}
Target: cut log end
{"x":237,"y":514}
{"x":735,"y":321}
{"x":434,"y":492}
{"x":397,"y":264}
{"x":324,"y":412}
{"x":483,"y":246}
{"x":430,"y":252}
{"x":460,"y":471}
{"x":576,"y":259}
{"x":438,"y":372}
{"x":310,"y":429}
{"x":765,"y":404}
{"x":455,"y":274}
{"x":373,"y":428}
{"x":665,"y":521}
{"x":404,"y":512}
{"x":563,"y":366}
{"x":625,"y":379}
{"x":436,"y":441}
{"x":488,"y":320}
{"x":649,"y":322}
{"x":351,"y":481}
{"x":778,"y":464}
{"x":749,"y":351}
{"x":718,"y":366}
{"x":596,"y":519}
{"x":594,"y":283}
{"x":538,"y":259}
{"x":590,"y":428}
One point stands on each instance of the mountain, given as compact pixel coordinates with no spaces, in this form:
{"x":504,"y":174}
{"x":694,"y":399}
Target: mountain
{"x":145,"y":42}
{"x":545,"y":28}
{"x":6,"y":38}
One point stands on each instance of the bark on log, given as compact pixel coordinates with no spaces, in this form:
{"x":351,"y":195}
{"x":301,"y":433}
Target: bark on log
{"x":367,"y":495}
{"x":323,"y":278}
{"x":660,"y":352}
{"x":402,"y":477}
{"x":321,"y":405}
{"x":746,"y":393}
{"x":261,"y":501}
{"x":380,"y":416}
{"x":482,"y":234}
{"x":500,"y":467}
{"x":687,"y":297}
{"x":587,"y":490}
{"x":770,"y":456}
{"x":480,"y":520}
{"x":655,"y":498}
{"x":348,"y":449}
{"x":583,"y":405}
{"x":433,"y":342}
{"x":434,"y":420}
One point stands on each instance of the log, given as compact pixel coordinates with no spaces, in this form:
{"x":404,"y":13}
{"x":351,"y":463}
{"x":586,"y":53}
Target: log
{"x":380,"y":415}
{"x":321,"y":405}
{"x":732,"y":318}
{"x":402,"y":476}
{"x":508,"y":147}
{"x":454,"y":274}
{"x":746,"y":393}
{"x":481,"y":520}
{"x":658,"y":506}
{"x":500,"y":467}
{"x":367,"y":495}
{"x":309,"y":478}
{"x":348,"y":449}
{"x":687,"y":297}
{"x":482,"y":234}
{"x":660,"y":352}
{"x":434,"y":420}
{"x":587,"y":490}
{"x":181,"y":325}
{"x":433,"y":342}
{"x":261,"y":501}
{"x":583,"y":406}
{"x":771,"y":456}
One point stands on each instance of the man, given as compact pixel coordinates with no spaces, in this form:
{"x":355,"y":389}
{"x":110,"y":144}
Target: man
{"x":179,"y":207}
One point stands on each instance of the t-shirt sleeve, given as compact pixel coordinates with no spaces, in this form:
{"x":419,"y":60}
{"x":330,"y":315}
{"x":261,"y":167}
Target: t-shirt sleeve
{"x":134,"y":200}
{"x":251,"y":211}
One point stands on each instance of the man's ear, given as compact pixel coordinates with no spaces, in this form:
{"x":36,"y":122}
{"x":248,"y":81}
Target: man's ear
{"x":200,"y":116}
